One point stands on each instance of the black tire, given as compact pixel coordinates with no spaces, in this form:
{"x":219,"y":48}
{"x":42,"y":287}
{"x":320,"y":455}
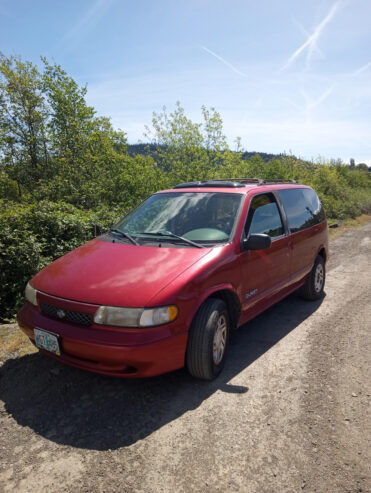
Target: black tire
{"x":315,"y":283}
{"x":200,"y":357}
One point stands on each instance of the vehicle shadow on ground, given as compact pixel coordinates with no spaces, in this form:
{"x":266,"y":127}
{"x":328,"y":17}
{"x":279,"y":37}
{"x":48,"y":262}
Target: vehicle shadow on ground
{"x":81,"y":409}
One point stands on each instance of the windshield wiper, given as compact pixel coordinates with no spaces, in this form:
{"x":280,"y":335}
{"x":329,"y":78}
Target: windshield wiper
{"x":123,"y":233}
{"x":170,"y":233}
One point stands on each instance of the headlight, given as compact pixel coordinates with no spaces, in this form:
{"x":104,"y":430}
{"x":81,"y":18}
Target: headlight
{"x":158,"y":316}
{"x":30,"y":294}
{"x":135,"y":317}
{"x":122,"y":317}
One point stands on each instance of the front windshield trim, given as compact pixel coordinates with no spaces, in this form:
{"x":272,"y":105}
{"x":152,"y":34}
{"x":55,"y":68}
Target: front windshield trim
{"x":204,"y":242}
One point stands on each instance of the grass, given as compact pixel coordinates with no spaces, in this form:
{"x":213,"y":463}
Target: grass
{"x":13,"y":342}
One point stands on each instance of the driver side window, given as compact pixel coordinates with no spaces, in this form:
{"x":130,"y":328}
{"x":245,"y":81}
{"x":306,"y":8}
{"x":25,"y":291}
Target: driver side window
{"x":264,"y":217}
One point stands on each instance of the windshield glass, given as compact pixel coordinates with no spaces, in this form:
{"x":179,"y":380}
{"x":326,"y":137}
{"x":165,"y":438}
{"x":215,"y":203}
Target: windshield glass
{"x":197,"y":216}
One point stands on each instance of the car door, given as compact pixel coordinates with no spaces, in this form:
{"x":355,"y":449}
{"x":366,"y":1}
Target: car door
{"x":265,"y":273}
{"x":304,"y":212}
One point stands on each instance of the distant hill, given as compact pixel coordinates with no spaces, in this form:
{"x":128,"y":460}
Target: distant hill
{"x":264,"y":155}
{"x":150,"y":150}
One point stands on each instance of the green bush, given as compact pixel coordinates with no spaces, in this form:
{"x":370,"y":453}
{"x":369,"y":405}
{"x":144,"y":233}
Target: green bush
{"x":33,"y":235}
{"x":20,"y":257}
{"x":8,"y":188}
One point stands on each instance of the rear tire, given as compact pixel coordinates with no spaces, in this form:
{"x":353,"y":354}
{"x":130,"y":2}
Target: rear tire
{"x":315,"y":283}
{"x":208,"y":340}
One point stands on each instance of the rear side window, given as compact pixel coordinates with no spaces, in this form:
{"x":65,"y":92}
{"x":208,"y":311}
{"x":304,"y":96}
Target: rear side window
{"x":303,"y":208}
{"x":264,"y":216}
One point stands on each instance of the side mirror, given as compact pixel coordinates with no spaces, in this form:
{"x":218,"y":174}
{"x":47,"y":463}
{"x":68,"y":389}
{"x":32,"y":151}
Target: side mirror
{"x":256,"y":242}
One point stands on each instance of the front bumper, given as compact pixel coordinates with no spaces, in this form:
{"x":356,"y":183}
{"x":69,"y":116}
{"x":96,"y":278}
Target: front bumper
{"x":130,"y":353}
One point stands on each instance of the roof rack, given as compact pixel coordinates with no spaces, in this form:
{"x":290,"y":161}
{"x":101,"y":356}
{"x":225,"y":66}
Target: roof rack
{"x":277,"y":181}
{"x":232,"y":183}
{"x":210,"y":183}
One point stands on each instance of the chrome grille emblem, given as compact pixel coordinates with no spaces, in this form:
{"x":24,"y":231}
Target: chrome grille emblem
{"x":61,"y":313}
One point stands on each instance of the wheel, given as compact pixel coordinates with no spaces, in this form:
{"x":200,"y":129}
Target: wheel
{"x":208,"y":340}
{"x":314,"y":285}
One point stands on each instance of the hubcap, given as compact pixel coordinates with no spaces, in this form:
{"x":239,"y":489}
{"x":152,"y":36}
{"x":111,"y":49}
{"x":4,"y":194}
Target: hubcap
{"x":220,"y":339}
{"x":318,"y":278}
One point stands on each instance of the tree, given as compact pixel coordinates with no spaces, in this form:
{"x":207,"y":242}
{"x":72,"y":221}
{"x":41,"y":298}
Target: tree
{"x":71,"y":119}
{"x":52,"y":143}
{"x":362,"y":166}
{"x":187,"y":150}
{"x":23,"y":119}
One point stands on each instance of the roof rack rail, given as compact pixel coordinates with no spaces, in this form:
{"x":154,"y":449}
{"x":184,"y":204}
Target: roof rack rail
{"x":268,"y":181}
{"x":259,"y":181}
{"x":241,"y":180}
{"x":210,"y":183}
{"x":232,"y":182}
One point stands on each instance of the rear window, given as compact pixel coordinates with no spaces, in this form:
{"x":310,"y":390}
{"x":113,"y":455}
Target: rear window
{"x":303,"y":208}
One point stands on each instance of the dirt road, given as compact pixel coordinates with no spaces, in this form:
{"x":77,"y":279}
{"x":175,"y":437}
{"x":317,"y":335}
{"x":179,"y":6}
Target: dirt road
{"x":290,"y":413}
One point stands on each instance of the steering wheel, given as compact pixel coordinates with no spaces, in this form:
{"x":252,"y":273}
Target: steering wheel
{"x":206,"y":234}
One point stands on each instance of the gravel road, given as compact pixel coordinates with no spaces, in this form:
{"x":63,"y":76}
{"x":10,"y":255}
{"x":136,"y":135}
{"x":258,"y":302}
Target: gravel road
{"x":290,"y":413}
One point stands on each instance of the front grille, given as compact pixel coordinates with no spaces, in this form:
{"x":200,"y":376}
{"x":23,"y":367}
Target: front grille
{"x":69,"y":315}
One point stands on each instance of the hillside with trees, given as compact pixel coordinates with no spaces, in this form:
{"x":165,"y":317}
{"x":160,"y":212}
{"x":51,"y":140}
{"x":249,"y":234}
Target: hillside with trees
{"x":66,"y":175}
{"x":148,"y":149}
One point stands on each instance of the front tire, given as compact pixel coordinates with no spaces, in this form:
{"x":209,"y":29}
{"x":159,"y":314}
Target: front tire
{"x":208,"y":340}
{"x":315,"y":283}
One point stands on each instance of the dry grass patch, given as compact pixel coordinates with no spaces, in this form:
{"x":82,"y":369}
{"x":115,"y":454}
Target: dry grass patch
{"x":14,"y":342}
{"x":349,"y":224}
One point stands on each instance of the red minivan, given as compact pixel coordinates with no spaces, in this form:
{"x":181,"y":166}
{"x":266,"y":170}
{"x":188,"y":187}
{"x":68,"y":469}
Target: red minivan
{"x":165,"y":286}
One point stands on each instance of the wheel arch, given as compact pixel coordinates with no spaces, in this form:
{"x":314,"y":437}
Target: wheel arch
{"x":227,"y":294}
{"x":322,"y":252}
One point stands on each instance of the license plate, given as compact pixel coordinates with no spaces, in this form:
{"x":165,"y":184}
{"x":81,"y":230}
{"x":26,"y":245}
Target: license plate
{"x":47,"y":340}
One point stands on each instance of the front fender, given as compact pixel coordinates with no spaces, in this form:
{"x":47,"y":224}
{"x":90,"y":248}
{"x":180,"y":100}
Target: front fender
{"x":208,"y":294}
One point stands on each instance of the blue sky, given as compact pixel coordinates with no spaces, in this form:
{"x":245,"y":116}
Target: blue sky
{"x":291,"y":76}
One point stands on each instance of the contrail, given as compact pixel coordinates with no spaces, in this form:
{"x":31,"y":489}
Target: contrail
{"x":224,"y":61}
{"x":310,"y":103}
{"x":306,"y":33}
{"x":362,"y":69}
{"x":310,"y":43}
{"x":89,"y":19}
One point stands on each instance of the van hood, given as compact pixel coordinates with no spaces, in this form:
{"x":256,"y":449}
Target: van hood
{"x":115,"y":274}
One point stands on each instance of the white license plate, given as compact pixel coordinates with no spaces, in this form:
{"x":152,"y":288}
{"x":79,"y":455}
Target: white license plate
{"x":47,"y":340}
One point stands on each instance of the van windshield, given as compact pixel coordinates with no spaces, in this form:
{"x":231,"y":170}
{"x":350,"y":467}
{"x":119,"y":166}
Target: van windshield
{"x":200,"y":217}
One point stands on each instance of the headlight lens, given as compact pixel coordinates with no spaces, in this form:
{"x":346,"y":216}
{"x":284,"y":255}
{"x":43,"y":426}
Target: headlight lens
{"x":158,"y":316}
{"x":30,"y":294}
{"x":135,"y":317}
{"x":122,"y":317}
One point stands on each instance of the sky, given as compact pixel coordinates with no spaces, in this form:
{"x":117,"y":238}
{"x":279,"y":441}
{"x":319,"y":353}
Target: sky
{"x":288,"y":76}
